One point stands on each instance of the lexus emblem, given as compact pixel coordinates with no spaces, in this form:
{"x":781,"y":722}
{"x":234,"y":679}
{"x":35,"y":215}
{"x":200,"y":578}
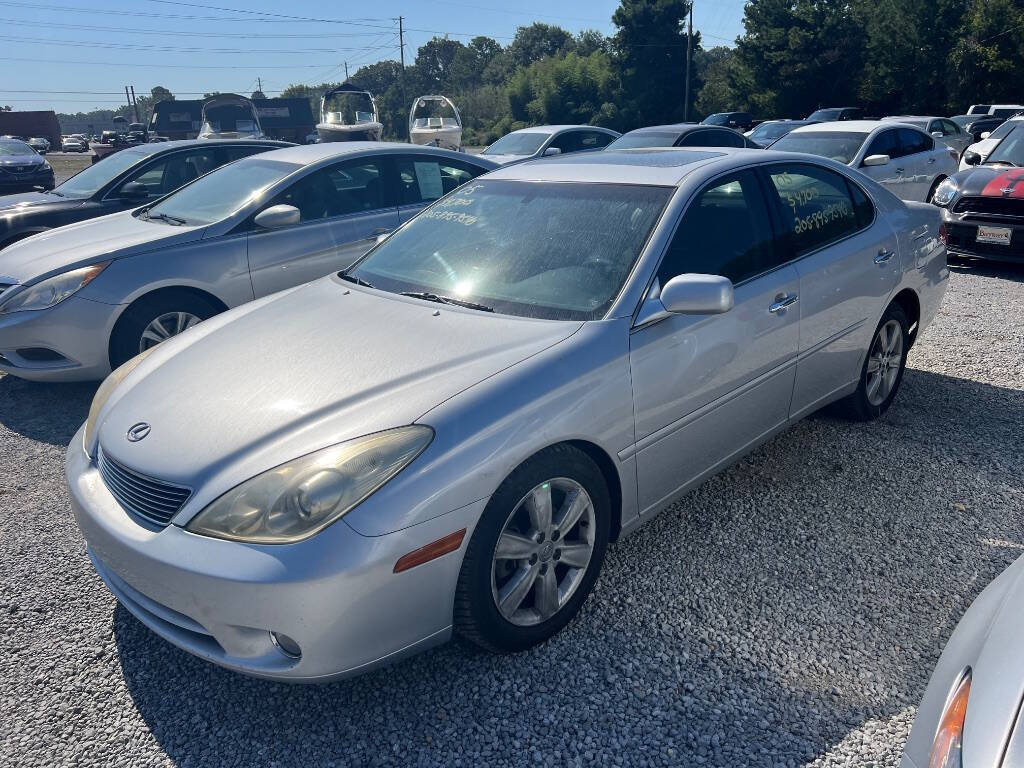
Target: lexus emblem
{"x":138,"y":432}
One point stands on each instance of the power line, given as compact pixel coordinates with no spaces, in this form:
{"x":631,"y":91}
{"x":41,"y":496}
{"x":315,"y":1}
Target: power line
{"x":164,"y":66}
{"x":173,"y":49}
{"x":266,"y":14}
{"x":183,"y":33}
{"x":182,"y":17}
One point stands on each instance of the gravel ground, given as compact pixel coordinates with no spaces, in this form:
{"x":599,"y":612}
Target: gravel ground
{"x":787,"y":613}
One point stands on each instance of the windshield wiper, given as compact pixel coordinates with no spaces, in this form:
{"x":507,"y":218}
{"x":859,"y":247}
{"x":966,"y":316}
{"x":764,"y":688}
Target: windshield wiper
{"x":164,"y":217}
{"x":427,"y":296}
{"x":54,"y":192}
{"x":344,"y":275}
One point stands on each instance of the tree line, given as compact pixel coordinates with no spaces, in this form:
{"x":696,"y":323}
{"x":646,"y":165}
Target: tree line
{"x":889,"y":56}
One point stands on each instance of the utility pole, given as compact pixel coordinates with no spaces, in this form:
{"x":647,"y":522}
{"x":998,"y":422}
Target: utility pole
{"x":259,"y":84}
{"x":401,"y":57}
{"x":346,"y":71}
{"x":128,"y":97}
{"x":689,"y":57}
{"x":135,"y":104}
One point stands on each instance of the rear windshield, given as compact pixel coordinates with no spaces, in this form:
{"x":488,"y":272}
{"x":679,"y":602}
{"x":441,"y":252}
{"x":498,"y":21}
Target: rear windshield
{"x":841,"y":146}
{"x":520,"y":144}
{"x":767,"y":131}
{"x":638,"y":139}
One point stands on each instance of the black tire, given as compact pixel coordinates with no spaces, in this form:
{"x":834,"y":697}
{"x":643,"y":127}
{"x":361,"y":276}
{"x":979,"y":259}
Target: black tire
{"x":476,"y":616}
{"x":127,"y":334}
{"x":858,"y":406}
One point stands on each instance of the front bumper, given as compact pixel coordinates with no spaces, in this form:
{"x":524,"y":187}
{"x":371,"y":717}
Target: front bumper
{"x":67,"y":342}
{"x":961,"y":234}
{"x":44,"y":179}
{"x":335,"y":593}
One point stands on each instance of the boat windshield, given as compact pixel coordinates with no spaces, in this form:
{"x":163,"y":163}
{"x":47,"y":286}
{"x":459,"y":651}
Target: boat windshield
{"x":435,"y":113}
{"x":349,"y":108}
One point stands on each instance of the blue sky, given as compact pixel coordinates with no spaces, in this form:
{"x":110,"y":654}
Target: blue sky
{"x":77,"y":55}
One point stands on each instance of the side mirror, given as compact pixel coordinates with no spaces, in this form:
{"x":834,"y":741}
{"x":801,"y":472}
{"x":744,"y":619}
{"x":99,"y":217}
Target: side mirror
{"x":133,"y":190}
{"x":972,"y":158}
{"x":985,"y":134}
{"x":938,"y":134}
{"x":692,"y":294}
{"x":873,"y":160}
{"x":552,"y":151}
{"x":277,"y":216}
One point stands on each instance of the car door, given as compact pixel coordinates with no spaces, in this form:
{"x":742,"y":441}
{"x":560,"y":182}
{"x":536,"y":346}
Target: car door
{"x":892,"y":173}
{"x":847,"y":262}
{"x":343,"y":208}
{"x":708,"y":387}
{"x":954,"y":136}
{"x":919,"y":160}
{"x":422,"y":179}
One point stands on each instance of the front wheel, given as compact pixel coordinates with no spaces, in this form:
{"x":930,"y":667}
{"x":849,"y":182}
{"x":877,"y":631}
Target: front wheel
{"x":882,"y":372}
{"x":536,"y":553}
{"x":155,"y":319}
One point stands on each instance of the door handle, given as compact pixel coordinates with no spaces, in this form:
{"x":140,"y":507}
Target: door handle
{"x":883,"y":256}
{"x":899,"y":170}
{"x":931,"y":160}
{"x":782,"y":301}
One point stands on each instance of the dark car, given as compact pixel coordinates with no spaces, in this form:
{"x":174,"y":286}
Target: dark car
{"x":983,"y":207}
{"x":978,"y":124}
{"x":133,"y":177}
{"x":22,"y":168}
{"x":832,"y":114}
{"x":770,"y":131}
{"x":682,"y":135}
{"x":741,"y":121}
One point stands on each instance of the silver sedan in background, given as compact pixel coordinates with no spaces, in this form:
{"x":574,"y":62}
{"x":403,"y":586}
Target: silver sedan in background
{"x":548,"y":140}
{"x":79,"y":300}
{"x":971,"y":714}
{"x":447,"y":435}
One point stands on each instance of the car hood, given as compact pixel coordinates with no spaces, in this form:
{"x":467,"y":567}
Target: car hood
{"x":505,"y":159}
{"x":33,"y":159}
{"x":87,"y":242}
{"x":15,"y":204}
{"x":992,"y":181}
{"x":301,"y":370}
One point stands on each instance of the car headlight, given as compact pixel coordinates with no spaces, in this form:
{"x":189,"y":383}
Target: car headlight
{"x":103,"y":394}
{"x":302,"y":497}
{"x":945,"y":192}
{"x":947,"y":746}
{"x":53,"y":290}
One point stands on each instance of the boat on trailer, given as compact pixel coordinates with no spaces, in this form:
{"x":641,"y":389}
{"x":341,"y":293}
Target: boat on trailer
{"x":348,"y":113}
{"x":434,"y":120}
{"x":229,"y":116}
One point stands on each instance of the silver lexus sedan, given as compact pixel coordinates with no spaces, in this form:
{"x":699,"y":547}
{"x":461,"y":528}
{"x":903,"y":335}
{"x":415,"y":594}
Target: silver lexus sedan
{"x":79,"y":300}
{"x":971,"y":715}
{"x":447,"y":435}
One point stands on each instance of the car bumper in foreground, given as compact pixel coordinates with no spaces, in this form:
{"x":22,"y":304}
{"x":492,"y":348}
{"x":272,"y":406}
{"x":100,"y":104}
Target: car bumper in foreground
{"x":67,"y":342}
{"x":962,"y":236}
{"x":335,"y":594}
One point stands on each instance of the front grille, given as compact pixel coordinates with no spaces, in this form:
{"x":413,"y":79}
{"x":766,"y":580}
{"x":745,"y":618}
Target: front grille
{"x":1008,"y":207}
{"x":152,"y":500}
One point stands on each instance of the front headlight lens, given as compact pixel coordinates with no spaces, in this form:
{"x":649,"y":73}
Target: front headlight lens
{"x":945,"y":192}
{"x":304,"y":496}
{"x":52,"y":290}
{"x":105,"y":391}
{"x":947,"y":747}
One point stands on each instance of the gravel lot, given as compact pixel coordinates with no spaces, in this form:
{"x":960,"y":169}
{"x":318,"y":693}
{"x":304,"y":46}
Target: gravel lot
{"x":787,"y":613}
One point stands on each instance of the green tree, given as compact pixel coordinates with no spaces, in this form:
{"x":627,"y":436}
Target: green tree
{"x":714,"y":81}
{"x":435,"y":61}
{"x":536,"y":42}
{"x":565,"y":89}
{"x":989,"y":55}
{"x":649,"y":50}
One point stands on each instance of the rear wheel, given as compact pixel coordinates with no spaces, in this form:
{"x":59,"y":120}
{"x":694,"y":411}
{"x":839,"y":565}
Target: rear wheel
{"x":155,"y":319}
{"x":536,"y":553}
{"x":882,"y":372}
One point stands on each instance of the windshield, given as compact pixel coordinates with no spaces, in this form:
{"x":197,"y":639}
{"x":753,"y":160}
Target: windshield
{"x":89,"y":181}
{"x":8,"y":147}
{"x":639,"y":139}
{"x":719,"y":118}
{"x":825,"y":115}
{"x":1004,"y":129}
{"x":841,"y":146}
{"x":559,"y":251}
{"x":1010,"y":149}
{"x":517,"y":144}
{"x":963,"y":120}
{"x":1006,"y":111}
{"x":222,"y":192}
{"x":768,"y":131}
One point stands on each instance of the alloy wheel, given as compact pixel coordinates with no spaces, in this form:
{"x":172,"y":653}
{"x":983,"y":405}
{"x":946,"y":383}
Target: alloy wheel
{"x":165,"y":326}
{"x":543,"y":551}
{"x":884,"y":361}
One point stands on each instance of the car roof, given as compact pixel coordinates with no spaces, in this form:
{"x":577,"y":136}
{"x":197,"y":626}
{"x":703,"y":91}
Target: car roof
{"x":658,"y":167}
{"x":557,"y":128}
{"x":165,"y":146}
{"x":897,"y":118}
{"x":844,"y":126}
{"x":308,"y":154}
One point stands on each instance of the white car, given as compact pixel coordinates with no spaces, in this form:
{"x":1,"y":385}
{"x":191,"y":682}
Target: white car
{"x":988,"y":142}
{"x":546,"y":140}
{"x":905,"y":160}
{"x":942,"y":128}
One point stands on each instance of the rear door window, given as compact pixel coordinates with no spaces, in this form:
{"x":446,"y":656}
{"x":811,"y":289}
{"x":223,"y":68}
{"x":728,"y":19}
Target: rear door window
{"x":914,"y":142}
{"x":817,"y":206}
{"x":423,"y":179}
{"x":356,"y":186}
{"x":725,"y":231}
{"x":884,"y":143}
